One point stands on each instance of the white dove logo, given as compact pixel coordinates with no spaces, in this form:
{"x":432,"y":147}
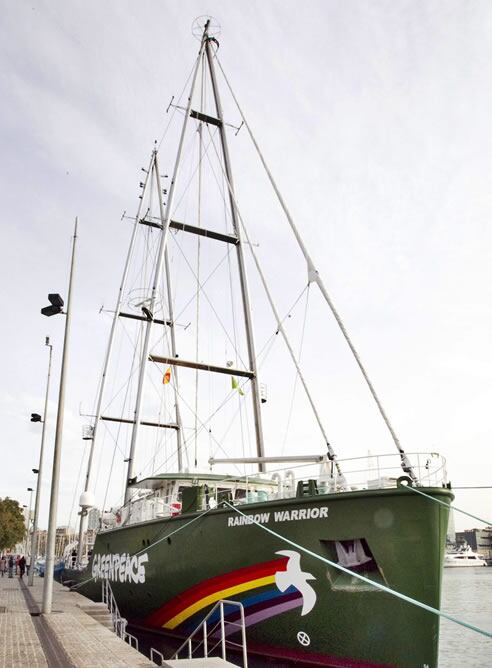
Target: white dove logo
{"x":293,"y":576}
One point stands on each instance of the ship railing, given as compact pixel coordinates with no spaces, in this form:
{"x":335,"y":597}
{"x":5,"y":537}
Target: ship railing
{"x":131,"y":639}
{"x":378,"y":471}
{"x":119,"y":622}
{"x":156,"y":656}
{"x":374,"y":471}
{"x":210,"y":639}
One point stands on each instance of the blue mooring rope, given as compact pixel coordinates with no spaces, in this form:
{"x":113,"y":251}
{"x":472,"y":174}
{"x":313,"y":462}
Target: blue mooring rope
{"x":377,"y":585}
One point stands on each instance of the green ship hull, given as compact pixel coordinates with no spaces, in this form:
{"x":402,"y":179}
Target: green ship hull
{"x":296,"y":606}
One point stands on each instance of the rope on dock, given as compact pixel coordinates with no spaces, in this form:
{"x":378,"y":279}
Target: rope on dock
{"x":377,"y":585}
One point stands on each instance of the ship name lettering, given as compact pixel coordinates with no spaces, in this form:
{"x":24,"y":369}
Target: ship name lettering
{"x":120,"y":567}
{"x":279,"y":516}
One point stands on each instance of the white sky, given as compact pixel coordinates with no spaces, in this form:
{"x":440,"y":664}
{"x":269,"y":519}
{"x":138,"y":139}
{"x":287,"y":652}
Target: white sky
{"x":375,"y":120}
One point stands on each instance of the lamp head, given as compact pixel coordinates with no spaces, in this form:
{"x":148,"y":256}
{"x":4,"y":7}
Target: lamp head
{"x":56,"y":305}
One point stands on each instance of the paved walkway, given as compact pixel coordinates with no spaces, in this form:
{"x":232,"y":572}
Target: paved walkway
{"x":67,"y":638}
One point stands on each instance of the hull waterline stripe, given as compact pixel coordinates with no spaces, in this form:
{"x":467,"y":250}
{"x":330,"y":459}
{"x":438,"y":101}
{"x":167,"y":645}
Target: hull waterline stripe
{"x":373,"y":583}
{"x":213,"y":598}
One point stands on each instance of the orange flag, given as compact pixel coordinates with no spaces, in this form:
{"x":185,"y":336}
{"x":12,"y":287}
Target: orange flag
{"x":167,"y":376}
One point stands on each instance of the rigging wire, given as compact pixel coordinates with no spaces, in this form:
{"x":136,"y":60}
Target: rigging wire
{"x":283,"y":332}
{"x":267,"y":346}
{"x":222,"y":188}
{"x":202,"y":424}
{"x":76,"y":492}
{"x":459,"y":510}
{"x":299,"y":357}
{"x":162,"y":434}
{"x":271,"y":340}
{"x":219,"y":320}
{"x":191,"y":299}
{"x":134,"y":344}
{"x":314,"y":276}
{"x":175,"y":108}
{"x":192,"y":176}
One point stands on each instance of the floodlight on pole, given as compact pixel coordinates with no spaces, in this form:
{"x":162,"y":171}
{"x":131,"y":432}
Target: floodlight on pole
{"x":56,"y":307}
{"x":55,"y":479}
{"x":39,"y":470}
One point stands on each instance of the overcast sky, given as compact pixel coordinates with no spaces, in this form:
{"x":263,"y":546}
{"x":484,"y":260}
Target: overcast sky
{"x":375,"y":120}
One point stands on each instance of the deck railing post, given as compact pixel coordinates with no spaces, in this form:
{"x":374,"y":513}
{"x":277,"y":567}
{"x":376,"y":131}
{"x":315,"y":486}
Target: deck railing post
{"x":243,"y":637}
{"x":222,"y":631}
{"x":205,"y":640}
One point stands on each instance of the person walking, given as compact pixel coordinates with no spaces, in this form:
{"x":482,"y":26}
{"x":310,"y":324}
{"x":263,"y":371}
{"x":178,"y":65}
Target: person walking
{"x":11,"y":566}
{"x":3,"y":565}
{"x":22,"y":566}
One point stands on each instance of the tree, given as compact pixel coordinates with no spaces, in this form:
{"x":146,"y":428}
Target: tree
{"x":12,"y":525}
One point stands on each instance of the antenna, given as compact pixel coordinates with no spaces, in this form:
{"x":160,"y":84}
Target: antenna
{"x":200,"y":23}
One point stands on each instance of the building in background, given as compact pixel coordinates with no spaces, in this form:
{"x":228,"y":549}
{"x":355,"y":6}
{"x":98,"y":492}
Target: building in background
{"x":480,"y":541}
{"x":64,"y":535}
{"x":93,"y":525}
{"x":451,"y":533}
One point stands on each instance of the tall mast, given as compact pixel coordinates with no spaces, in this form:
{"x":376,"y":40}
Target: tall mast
{"x":165,"y":220}
{"x":170,"y":313}
{"x":240,"y":255}
{"x":107,"y":358}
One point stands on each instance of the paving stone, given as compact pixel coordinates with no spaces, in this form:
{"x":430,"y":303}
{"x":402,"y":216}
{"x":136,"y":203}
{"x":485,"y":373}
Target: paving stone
{"x":85,"y":641}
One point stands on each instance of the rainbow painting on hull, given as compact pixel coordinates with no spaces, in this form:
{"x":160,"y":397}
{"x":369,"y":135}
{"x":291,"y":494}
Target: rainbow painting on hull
{"x":270,"y":588}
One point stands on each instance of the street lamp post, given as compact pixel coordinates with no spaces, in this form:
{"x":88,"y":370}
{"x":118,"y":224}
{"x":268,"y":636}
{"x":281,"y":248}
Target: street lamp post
{"x":56,"y":307}
{"x":39,"y":471}
{"x":28,"y":522}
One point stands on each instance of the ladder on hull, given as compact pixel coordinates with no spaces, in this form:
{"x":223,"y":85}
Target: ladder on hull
{"x":209,"y":638}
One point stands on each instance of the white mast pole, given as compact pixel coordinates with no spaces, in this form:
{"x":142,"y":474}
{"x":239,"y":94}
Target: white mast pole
{"x":241,"y":262}
{"x":179,"y":431}
{"x":157,"y":274}
{"x":107,"y":358}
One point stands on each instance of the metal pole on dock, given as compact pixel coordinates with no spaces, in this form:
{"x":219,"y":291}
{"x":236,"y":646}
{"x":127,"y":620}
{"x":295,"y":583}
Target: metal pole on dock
{"x":55,"y":480}
{"x":28,"y":521}
{"x":34,"y":540}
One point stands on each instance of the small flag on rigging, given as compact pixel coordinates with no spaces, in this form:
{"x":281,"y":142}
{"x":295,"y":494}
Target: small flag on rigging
{"x":167,"y":376}
{"x":235,"y":386}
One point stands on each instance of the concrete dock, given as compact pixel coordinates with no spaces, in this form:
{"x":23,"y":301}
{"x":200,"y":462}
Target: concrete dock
{"x":73,"y":635}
